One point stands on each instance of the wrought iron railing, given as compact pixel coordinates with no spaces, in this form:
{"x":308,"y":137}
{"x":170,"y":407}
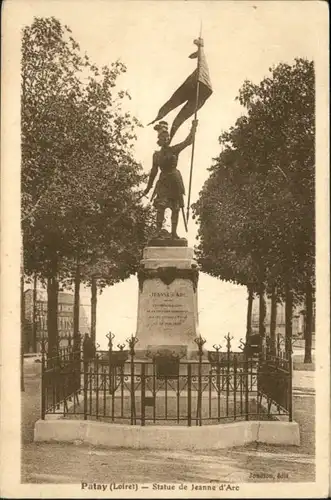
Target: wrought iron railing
{"x":121,"y":386}
{"x":275,"y":376}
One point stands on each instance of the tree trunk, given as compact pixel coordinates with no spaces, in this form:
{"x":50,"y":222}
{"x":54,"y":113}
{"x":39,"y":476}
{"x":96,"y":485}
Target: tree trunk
{"x":273,"y":318}
{"x":249,"y":312}
{"x":76,"y":333}
{"x":52,"y":309}
{"x":308,"y":323}
{"x":288,"y":318}
{"x":34,"y":315}
{"x":262,"y":311}
{"x":93,"y":309}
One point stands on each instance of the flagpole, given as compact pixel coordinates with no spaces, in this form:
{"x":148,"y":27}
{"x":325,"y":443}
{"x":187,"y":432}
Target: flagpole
{"x":195,"y":118}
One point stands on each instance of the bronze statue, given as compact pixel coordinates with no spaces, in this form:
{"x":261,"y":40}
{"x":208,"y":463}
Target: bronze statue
{"x":169,"y":190}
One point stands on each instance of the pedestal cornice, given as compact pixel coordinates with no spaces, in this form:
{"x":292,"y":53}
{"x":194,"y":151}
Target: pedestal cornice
{"x":168,"y":274}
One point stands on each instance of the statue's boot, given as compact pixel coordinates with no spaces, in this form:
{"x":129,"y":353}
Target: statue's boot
{"x":174,"y":234}
{"x":174,"y":224}
{"x":159,"y":222}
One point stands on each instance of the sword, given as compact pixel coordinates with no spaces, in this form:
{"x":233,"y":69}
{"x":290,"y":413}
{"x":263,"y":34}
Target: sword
{"x":184,"y":219}
{"x":155,"y":191}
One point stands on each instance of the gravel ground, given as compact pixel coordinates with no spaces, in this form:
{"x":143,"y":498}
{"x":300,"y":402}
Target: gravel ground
{"x":30,"y":410}
{"x":171,"y":411}
{"x":73,"y":463}
{"x":58,"y":463}
{"x":298,"y":363}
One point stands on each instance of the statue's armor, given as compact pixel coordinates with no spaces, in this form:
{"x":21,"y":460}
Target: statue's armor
{"x":169,"y":189}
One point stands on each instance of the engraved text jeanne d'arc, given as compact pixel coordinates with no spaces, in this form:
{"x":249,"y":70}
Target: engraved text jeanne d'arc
{"x":167,"y":309}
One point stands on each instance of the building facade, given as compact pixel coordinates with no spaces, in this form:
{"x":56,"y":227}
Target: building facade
{"x":35,"y":327}
{"x":298,"y":318}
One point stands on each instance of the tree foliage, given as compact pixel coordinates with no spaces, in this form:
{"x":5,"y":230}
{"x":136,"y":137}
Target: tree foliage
{"x":80,"y":181}
{"x":256,"y":209}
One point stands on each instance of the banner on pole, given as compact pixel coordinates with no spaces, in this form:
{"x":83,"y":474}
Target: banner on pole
{"x":187,"y":93}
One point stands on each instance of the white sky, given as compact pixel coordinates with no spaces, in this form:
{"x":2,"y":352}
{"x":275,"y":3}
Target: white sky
{"x":154,"y":39}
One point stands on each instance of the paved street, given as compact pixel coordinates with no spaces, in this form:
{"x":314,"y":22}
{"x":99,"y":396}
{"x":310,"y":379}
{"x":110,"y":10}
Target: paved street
{"x":30,"y":398}
{"x":57,"y":463}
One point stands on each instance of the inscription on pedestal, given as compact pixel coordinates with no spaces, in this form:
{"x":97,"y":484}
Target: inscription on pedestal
{"x":167,"y":306}
{"x":167,"y":313}
{"x":167,"y":309}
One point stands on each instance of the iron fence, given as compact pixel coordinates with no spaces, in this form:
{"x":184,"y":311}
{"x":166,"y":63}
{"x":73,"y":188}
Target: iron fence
{"x":275,"y":376}
{"x":60,"y":376}
{"x":165,"y":388}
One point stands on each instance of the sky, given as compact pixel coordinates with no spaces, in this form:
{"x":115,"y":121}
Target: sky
{"x":154,"y":39}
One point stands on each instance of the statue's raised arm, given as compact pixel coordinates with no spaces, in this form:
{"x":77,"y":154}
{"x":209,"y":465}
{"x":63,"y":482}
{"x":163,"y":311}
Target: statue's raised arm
{"x":189,"y":139}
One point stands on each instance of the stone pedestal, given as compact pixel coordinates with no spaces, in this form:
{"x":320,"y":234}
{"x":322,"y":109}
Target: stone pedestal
{"x":167,"y":305}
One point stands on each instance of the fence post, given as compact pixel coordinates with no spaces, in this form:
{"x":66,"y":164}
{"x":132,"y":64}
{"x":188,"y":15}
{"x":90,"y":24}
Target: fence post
{"x":200,"y":342}
{"x":96,"y":374}
{"x":85,"y":383}
{"x":244,"y":377}
{"x":142,"y":374}
{"x":132,"y":342}
{"x":121,"y":348}
{"x":228,"y":352}
{"x":154,"y":390}
{"x":110,"y":336}
{"x":43,"y":385}
{"x":217,"y":348}
{"x":235,"y":386}
{"x":189,"y":394}
{"x":78,"y":360}
{"x":247,"y":366}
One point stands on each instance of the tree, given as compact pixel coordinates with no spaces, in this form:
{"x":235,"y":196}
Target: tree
{"x":281,"y":132}
{"x":80,"y":182}
{"x":250,"y":299}
{"x":256,"y":210}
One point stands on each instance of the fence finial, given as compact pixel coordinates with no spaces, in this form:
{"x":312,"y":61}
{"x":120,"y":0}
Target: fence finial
{"x":200,"y":341}
{"x":132,"y":342}
{"x":228,"y":339}
{"x":110,"y":336}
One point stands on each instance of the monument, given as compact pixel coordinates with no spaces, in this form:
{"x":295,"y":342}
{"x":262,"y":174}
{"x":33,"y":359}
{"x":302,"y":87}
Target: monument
{"x":168,"y":274}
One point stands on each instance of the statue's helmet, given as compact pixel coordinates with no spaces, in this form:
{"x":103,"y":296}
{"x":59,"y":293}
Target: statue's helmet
{"x":162,"y":129}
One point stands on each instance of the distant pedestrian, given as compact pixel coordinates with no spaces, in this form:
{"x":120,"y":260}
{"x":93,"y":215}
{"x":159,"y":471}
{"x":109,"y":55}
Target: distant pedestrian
{"x":88,"y":348}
